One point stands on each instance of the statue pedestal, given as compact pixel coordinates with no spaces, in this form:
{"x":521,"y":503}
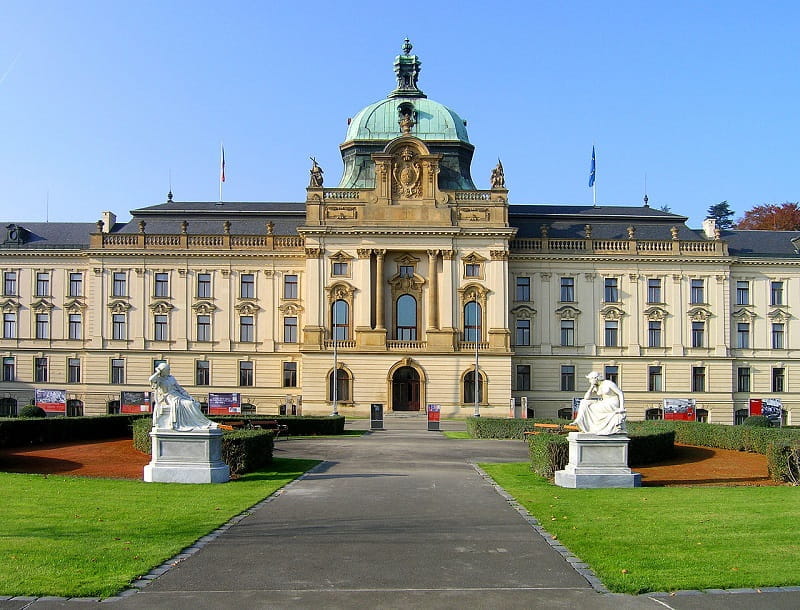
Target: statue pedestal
{"x":597,"y":461}
{"x":186,"y":457}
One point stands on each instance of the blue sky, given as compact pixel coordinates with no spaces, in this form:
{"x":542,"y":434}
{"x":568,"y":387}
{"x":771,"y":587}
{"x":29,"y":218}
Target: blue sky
{"x":101,"y":101}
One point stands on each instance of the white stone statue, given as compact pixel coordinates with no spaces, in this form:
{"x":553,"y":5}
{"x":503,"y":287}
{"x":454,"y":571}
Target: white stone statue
{"x":174,"y":408}
{"x":606,"y":415}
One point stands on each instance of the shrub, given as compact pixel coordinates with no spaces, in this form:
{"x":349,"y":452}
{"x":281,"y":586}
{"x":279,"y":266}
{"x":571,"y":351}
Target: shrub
{"x":757,"y":421}
{"x":783,"y":461}
{"x":141,"y":435}
{"x":21,"y":432}
{"x":32,"y":411}
{"x":548,"y":453}
{"x":298,"y":425}
{"x":505,"y":428}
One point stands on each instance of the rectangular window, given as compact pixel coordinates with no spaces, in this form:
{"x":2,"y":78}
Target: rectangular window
{"x":74,"y":370}
{"x":654,"y":333}
{"x":406,"y":271}
{"x":290,"y":329}
{"x":245,"y":373}
{"x":156,"y":363}
{"x":10,"y":283}
{"x":778,"y":378}
{"x":523,"y":289}
{"x":42,"y":325}
{"x":698,"y":379}
{"x":204,"y":328}
{"x":567,"y":332}
{"x":119,"y":331}
{"x":611,"y":290}
{"x":203,"y":285}
{"x":339,"y":269}
{"x":743,"y":379}
{"x":246,"y":329}
{"x":743,"y":335}
{"x":117,"y":370}
{"x":612,"y":333}
{"x":119,"y":284}
{"x":568,"y":289}
{"x":776,"y":293}
{"x":289,"y":374}
{"x":43,"y":284}
{"x":290,"y":287}
{"x":612,"y":373}
{"x":472,"y":270}
{"x":523,"y":377}
{"x":161,"y":285}
{"x":742,"y":293}
{"x":523,"y":332}
{"x":697,"y":293}
{"x":567,"y":378}
{"x":654,"y":379}
{"x":75,"y":330}
{"x":9,"y":369}
{"x":202,"y":372}
{"x":161,"y":329}
{"x":76,"y":284}
{"x":9,"y":326}
{"x":777,"y":335}
{"x":40,"y":369}
{"x":247,"y":286}
{"x":654,"y":290}
{"x":698,"y":334}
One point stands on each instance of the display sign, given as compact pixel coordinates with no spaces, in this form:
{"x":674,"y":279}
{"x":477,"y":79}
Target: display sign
{"x":771,"y":408}
{"x":682,"y":409}
{"x":434,"y":411}
{"x":134,"y":402}
{"x":576,"y":404}
{"x":524,"y":406}
{"x":224,"y":403}
{"x":51,"y":401}
{"x":376,"y":416}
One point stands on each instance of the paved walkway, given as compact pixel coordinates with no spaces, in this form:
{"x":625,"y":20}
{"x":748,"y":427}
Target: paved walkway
{"x":394,"y":519}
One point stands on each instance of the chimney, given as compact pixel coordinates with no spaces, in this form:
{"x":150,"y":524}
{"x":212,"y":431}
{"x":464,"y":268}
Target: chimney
{"x":109,"y":219}
{"x":710,"y":228}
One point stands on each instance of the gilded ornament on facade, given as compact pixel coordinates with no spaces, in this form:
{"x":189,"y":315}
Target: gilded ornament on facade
{"x":407,"y":175}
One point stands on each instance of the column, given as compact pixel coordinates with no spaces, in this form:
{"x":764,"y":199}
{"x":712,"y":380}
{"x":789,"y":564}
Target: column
{"x":379,"y":290}
{"x":433,"y":291}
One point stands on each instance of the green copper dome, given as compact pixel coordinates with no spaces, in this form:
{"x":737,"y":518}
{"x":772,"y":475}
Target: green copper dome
{"x":407,"y":111}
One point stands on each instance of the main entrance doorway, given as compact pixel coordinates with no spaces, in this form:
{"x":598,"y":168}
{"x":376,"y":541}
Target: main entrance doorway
{"x":405,"y":389}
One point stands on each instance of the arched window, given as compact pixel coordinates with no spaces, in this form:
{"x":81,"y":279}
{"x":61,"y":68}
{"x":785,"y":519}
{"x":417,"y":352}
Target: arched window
{"x":654,"y":414}
{"x":74,"y":408}
{"x":406,"y":318}
{"x":472,"y":322}
{"x":342,"y":386}
{"x":112,"y":407}
{"x":340,"y":318}
{"x":8,"y":407}
{"x":469,"y":388}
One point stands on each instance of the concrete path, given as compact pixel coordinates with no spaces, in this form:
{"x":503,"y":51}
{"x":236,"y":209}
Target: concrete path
{"x":394,"y":519}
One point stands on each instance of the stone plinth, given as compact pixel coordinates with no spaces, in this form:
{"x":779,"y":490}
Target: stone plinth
{"x":597,"y":461}
{"x":186,"y":457}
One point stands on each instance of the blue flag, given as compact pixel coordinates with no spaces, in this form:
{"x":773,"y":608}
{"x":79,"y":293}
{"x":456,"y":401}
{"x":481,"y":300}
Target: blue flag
{"x":591,"y":170}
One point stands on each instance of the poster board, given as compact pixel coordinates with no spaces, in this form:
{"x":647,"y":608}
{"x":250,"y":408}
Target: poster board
{"x":771,"y":408}
{"x":220,"y":403}
{"x":680,"y":409}
{"x":51,"y":401}
{"x":134,"y":402}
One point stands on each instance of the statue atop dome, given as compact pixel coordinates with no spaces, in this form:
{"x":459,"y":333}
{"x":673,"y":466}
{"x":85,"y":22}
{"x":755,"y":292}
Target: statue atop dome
{"x":407,"y":68}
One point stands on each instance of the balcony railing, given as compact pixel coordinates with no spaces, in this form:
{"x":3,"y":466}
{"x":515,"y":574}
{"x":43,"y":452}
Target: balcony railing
{"x":666,"y":247}
{"x":469,"y":346}
{"x":183,"y":241}
{"x":406,"y":345}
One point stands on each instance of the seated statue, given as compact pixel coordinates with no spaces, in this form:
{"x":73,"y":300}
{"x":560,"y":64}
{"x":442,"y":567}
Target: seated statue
{"x":183,"y":411}
{"x":606,"y":415}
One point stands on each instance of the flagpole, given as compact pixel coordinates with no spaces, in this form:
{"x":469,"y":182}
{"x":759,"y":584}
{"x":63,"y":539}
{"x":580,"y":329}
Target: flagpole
{"x":221,"y":169}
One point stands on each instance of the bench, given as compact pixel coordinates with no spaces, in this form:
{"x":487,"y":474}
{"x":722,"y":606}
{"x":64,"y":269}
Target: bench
{"x":269,"y":424}
{"x":550,"y":429}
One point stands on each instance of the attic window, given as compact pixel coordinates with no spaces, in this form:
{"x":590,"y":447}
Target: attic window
{"x":15,"y":234}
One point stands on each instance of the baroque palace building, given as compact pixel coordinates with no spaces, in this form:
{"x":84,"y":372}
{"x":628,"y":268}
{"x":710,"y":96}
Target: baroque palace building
{"x":399,"y":280}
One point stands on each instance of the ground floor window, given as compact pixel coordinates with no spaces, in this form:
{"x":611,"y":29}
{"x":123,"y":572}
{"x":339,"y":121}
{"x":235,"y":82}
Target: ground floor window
{"x":653,"y":414}
{"x":8,"y":407}
{"x":341,"y":386}
{"x":469,"y":388}
{"x":74,"y":408}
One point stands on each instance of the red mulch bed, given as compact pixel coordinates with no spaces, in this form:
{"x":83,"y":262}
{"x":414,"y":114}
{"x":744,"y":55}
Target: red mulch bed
{"x":118,"y":459}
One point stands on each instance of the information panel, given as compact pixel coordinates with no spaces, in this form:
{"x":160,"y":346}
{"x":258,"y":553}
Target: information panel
{"x":134,"y":402}
{"x":682,"y":409}
{"x":51,"y":401}
{"x":224,"y":403}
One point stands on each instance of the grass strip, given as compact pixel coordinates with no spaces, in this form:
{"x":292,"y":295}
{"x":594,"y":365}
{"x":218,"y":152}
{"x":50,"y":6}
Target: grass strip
{"x":81,"y":537}
{"x":456,"y":434}
{"x":647,"y":539}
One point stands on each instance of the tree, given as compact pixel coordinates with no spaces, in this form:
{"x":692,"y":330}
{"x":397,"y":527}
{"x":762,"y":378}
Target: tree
{"x":665,"y":208}
{"x":722,"y":213}
{"x":772,"y":217}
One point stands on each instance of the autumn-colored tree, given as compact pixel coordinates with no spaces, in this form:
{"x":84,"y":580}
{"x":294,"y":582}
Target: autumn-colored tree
{"x":772,"y":217}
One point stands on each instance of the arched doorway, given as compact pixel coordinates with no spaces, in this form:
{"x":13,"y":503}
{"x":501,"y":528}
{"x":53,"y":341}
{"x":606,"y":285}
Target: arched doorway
{"x":405,"y":389}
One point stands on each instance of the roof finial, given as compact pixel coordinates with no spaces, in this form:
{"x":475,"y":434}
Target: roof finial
{"x":169,"y":196}
{"x":407,"y":46}
{"x":646,"y":200}
{"x":407,"y":68}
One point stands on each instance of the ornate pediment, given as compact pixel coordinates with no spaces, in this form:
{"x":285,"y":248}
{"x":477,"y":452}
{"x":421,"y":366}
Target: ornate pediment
{"x":74,"y":306}
{"x":42,"y":306}
{"x":744,"y":314}
{"x":161,"y":307}
{"x":9,"y":306}
{"x":523,"y":312}
{"x":411,"y":283}
{"x":406,"y":259}
{"x":290,"y":309}
{"x":698,"y":314}
{"x":341,"y":256}
{"x":779,"y":315}
{"x":406,"y":174}
{"x":473,"y":258}
{"x":246,"y":308}
{"x":473,"y":292}
{"x":655,"y":313}
{"x":341,"y":291}
{"x":119,"y":306}
{"x":611,"y":312}
{"x":204,"y":307}
{"x":567,"y":312}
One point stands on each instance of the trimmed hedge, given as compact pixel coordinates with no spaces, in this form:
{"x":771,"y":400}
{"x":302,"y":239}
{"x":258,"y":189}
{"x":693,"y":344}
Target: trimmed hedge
{"x":17,"y":432}
{"x":242,"y":450}
{"x":783,"y":459}
{"x":299,"y":425}
{"x":548,"y":453}
{"x":32,"y":411}
{"x":505,"y":428}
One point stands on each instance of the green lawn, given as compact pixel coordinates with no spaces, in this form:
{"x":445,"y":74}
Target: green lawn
{"x":668,"y":538}
{"x":458,"y":434}
{"x":72,"y":536}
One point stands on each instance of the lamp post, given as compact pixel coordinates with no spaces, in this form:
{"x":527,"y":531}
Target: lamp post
{"x":335,"y":374}
{"x":477,"y":411}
